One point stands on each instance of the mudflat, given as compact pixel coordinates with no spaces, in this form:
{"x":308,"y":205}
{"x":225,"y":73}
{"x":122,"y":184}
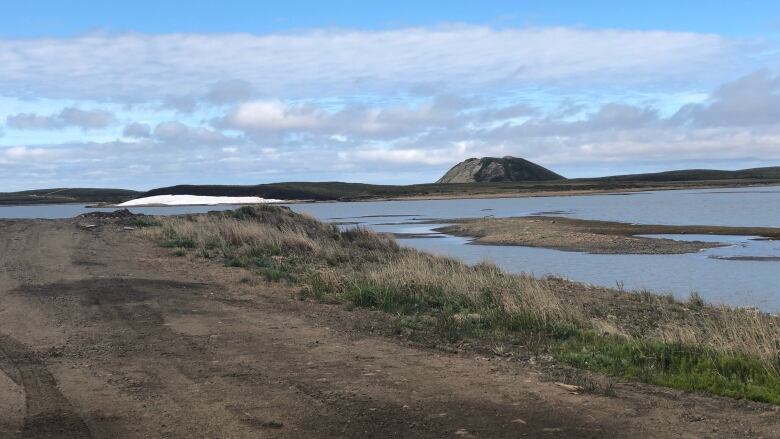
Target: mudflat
{"x":104,"y":334}
{"x":591,"y":236}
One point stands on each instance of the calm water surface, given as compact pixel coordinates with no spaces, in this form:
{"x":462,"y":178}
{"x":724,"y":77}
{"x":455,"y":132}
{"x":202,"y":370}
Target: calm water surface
{"x":719,"y":280}
{"x":733,"y":282}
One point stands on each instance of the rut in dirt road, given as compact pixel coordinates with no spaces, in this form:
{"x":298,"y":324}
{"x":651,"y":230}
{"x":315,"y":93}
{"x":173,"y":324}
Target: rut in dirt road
{"x":49,"y":414}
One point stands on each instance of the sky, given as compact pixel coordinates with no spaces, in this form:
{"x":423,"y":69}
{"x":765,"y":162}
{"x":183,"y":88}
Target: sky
{"x":146,"y":94}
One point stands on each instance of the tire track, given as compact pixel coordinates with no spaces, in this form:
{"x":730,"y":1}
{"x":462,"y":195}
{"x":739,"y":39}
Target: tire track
{"x":49,"y":414}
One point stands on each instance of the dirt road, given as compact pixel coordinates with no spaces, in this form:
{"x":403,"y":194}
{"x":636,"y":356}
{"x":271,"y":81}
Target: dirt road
{"x":102,"y":334}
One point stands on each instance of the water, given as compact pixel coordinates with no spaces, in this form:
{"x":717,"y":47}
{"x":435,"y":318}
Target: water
{"x":714,"y":273}
{"x":754,"y":207}
{"x":736,"y":282}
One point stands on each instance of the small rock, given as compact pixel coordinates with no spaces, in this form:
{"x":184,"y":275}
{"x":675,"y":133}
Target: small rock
{"x":569,"y":387}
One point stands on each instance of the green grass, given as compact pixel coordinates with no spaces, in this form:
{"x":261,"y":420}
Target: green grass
{"x":178,"y":243}
{"x":677,"y":366}
{"x":671,"y":365}
{"x":141,"y":222}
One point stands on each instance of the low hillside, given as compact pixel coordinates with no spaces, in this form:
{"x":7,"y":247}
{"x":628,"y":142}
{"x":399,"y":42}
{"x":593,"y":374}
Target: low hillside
{"x":67,"y":195}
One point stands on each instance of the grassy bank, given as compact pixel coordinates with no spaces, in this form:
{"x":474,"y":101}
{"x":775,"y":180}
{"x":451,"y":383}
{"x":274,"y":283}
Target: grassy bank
{"x":601,"y":237}
{"x":641,"y":336}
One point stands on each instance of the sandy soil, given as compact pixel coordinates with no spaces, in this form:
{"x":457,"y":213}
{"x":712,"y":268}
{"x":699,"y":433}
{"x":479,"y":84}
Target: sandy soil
{"x":602,"y":237}
{"x":102,"y":334}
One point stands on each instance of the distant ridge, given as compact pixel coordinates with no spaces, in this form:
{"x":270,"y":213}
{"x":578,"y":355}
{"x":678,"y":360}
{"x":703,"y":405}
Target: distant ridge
{"x":698,"y":175}
{"x":494,"y":169}
{"x":341,"y":191}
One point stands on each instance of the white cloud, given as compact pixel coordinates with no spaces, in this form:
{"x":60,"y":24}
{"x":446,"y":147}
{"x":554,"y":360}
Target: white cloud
{"x":262,"y":116}
{"x":377,"y":104}
{"x":23,"y":153}
{"x":321,"y":63}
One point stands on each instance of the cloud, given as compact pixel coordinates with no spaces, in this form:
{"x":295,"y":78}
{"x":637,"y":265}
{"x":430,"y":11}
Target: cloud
{"x":749,"y":101}
{"x":31,"y":121}
{"x":182,"y":104}
{"x":67,"y":117}
{"x":26,"y":155}
{"x":323,"y":63}
{"x":261,"y":118}
{"x":177,"y":133}
{"x":87,"y":120}
{"x":229,"y":92}
{"x":137,"y":130}
{"x":407,"y":139}
{"x":274,"y":115}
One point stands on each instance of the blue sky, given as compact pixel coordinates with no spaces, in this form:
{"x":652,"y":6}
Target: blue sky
{"x":58,"y":18}
{"x":143,"y":94}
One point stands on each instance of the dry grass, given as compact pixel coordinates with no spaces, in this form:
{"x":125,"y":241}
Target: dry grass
{"x":733,"y":332}
{"x":221,"y":232}
{"x":357,"y":258}
{"x":514,"y":294}
{"x":367,"y":269}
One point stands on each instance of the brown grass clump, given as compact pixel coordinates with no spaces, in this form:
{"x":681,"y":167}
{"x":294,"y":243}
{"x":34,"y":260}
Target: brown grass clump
{"x":483,"y":283}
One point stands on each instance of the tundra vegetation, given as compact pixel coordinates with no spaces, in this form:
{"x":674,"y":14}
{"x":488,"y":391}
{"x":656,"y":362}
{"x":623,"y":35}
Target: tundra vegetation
{"x":686,"y":345}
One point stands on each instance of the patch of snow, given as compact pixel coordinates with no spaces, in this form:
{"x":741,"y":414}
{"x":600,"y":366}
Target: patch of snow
{"x":194,"y":200}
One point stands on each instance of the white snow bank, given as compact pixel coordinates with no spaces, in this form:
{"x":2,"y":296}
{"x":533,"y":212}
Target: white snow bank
{"x":194,"y":200}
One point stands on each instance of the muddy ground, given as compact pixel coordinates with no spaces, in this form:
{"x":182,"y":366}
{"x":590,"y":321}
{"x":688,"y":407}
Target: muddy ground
{"x":103,"y":334}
